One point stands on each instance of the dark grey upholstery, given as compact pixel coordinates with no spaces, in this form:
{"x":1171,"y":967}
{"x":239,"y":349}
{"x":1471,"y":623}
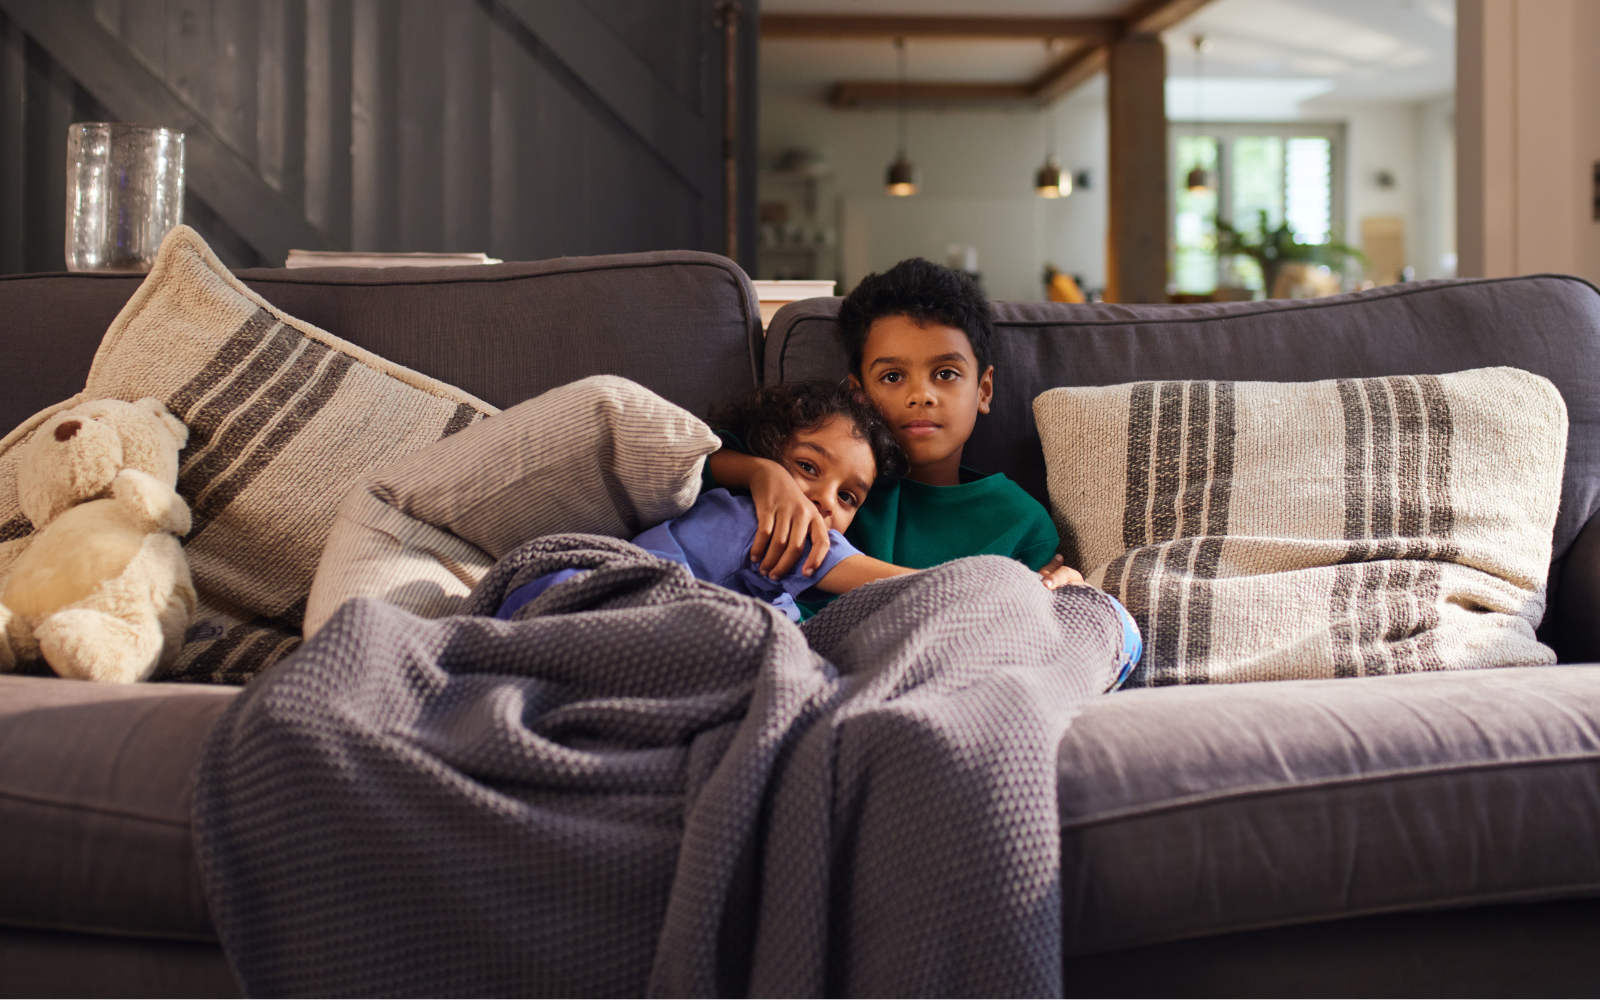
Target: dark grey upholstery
{"x":1193,"y":812}
{"x":1189,"y":814}
{"x":94,"y":806}
{"x":95,"y":780}
{"x":1485,"y":951}
{"x":1547,"y":324}
{"x":682,"y":323}
{"x":36,"y":963}
{"x":1204,"y":810}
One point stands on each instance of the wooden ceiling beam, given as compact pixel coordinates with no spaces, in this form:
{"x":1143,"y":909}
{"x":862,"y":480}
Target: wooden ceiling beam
{"x":852,"y":26}
{"x":1056,"y":80}
{"x":1069,"y":73}
{"x":854,"y":94}
{"x":1151,"y":17}
{"x":1144,"y":17}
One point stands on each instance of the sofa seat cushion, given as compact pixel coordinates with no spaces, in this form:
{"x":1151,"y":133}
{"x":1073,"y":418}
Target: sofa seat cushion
{"x":95,"y":783}
{"x":1190,"y":811}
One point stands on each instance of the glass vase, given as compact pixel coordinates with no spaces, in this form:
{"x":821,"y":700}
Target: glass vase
{"x":124,"y":192}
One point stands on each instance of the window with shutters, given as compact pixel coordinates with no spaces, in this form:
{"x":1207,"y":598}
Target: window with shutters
{"x":1290,"y":172}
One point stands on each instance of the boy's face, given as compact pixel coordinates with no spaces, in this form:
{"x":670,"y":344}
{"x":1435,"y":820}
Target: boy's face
{"x":925,"y":382}
{"x":834,"y":468}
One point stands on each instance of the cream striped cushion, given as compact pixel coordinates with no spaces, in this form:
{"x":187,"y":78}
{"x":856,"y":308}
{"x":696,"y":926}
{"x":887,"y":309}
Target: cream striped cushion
{"x":603,"y":456}
{"x":1261,"y":531}
{"x":283,"y":419}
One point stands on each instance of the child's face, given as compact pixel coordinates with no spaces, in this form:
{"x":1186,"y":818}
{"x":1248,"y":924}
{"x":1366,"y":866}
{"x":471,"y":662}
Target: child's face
{"x":925,"y":382}
{"x":834,"y":468}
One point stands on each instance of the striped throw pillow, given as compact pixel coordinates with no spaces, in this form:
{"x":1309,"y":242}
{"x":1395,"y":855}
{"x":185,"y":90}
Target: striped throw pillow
{"x":283,"y":419}
{"x":1265,"y":531}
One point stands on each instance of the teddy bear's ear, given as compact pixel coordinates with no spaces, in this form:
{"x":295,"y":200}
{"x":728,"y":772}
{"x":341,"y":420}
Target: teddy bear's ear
{"x":174,"y":426}
{"x":69,"y":459}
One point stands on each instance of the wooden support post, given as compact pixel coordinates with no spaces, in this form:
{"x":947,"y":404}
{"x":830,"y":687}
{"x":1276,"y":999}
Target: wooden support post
{"x":1136,"y":251}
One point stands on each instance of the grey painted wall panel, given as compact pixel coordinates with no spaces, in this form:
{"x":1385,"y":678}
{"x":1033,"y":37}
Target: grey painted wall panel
{"x":13,"y":143}
{"x":281,"y":105}
{"x":420,"y":116}
{"x":375,"y":127}
{"x":142,"y":26}
{"x":230,"y":58}
{"x":510,"y":76}
{"x":330,"y":36}
{"x":667,"y":38}
{"x":49,"y":110}
{"x":468,"y":129}
{"x":416,"y":124}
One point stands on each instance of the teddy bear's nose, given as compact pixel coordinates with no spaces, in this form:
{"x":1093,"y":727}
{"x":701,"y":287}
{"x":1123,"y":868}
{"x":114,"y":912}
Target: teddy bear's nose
{"x":66,"y":429}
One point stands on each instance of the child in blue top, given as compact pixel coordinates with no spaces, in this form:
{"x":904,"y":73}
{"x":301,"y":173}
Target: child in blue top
{"x":832,"y":445}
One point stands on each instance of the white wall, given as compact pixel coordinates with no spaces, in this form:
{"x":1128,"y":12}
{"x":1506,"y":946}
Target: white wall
{"x":976,"y":170}
{"x":1414,"y":142}
{"x":1436,"y":253}
{"x":1528,"y":136}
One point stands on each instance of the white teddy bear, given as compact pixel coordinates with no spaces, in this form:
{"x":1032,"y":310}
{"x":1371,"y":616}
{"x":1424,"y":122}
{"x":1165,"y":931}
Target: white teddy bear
{"x":103,"y":590}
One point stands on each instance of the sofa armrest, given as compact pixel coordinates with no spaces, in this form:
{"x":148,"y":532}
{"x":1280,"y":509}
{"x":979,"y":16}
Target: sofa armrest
{"x":1576,"y":599}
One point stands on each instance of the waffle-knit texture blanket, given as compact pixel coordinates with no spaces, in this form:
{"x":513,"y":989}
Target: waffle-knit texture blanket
{"x":647,"y":783}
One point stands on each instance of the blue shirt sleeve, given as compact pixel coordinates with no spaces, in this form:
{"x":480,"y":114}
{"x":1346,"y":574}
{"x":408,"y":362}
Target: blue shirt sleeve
{"x":713,"y":537}
{"x":525,"y":594}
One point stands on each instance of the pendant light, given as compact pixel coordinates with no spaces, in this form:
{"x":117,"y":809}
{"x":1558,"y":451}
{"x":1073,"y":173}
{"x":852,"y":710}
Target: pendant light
{"x":1199,"y":181}
{"x":1050,"y":182}
{"x":901,"y":180}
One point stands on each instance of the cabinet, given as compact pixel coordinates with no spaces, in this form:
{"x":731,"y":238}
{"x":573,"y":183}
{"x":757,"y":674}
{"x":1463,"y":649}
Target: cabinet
{"x":799,"y":234}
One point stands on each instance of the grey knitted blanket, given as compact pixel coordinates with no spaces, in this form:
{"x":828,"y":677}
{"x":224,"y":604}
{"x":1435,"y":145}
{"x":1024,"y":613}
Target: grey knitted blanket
{"x":649,"y":784}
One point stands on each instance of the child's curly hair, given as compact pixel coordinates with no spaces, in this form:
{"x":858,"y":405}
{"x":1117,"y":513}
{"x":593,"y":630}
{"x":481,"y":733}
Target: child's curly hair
{"x":923,"y":292}
{"x":765,"y":419}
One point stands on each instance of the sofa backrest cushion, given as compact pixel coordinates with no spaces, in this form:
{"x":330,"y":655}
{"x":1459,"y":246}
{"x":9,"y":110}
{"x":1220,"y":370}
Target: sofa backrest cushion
{"x":1343,"y":528}
{"x":1546,"y":324}
{"x":683,"y":324}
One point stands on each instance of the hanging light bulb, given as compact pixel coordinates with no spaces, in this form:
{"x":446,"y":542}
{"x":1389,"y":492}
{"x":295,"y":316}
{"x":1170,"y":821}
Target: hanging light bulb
{"x":1199,"y":180}
{"x":902,"y":176}
{"x":1050,"y":181}
{"x":901,"y":179}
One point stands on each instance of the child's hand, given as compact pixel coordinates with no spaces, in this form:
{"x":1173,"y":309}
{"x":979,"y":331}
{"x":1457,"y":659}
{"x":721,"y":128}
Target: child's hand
{"x":785,"y":518}
{"x":1057,"y":574}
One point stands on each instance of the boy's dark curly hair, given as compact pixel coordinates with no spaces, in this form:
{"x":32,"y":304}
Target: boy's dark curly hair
{"x":923,"y":292}
{"x":765,"y":419}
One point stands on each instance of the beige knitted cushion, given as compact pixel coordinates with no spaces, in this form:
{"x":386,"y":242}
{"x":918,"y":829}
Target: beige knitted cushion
{"x":283,"y":419}
{"x":603,"y":455}
{"x":1261,"y":531}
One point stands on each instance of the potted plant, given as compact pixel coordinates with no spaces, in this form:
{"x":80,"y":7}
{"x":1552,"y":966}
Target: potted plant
{"x":1274,"y":248}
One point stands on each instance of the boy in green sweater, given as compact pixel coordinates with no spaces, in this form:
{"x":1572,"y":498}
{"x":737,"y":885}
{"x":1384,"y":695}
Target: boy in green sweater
{"x":918,"y":339}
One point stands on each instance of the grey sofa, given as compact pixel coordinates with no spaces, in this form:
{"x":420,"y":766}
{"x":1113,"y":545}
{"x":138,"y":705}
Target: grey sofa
{"x":1422,"y":834}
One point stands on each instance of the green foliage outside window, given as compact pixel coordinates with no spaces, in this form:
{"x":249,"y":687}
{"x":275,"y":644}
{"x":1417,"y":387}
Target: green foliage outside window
{"x":1270,"y":247}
